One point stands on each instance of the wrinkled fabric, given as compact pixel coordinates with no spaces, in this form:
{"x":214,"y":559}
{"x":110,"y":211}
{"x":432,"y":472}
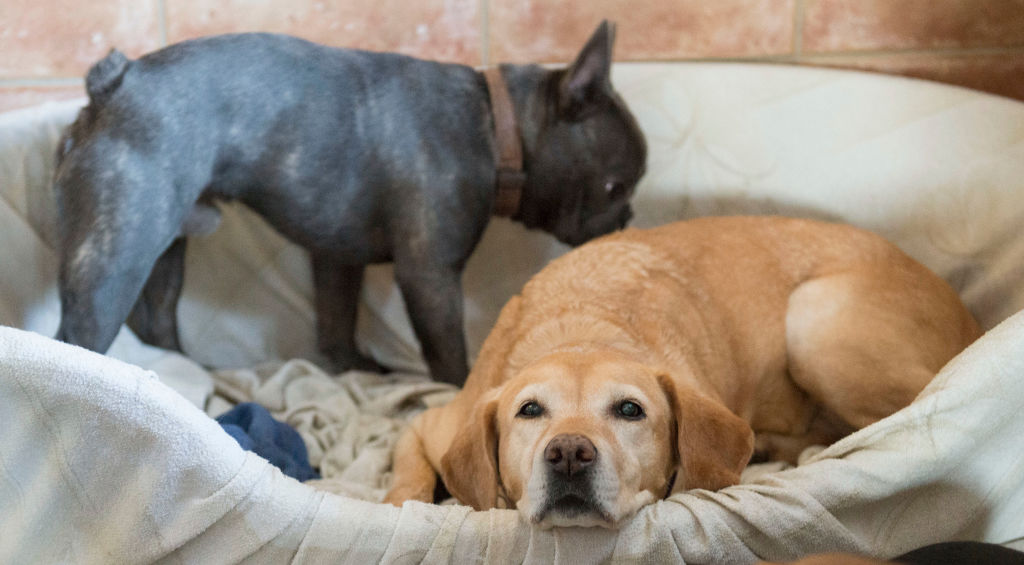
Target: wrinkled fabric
{"x":949,"y":466}
{"x":349,"y":422}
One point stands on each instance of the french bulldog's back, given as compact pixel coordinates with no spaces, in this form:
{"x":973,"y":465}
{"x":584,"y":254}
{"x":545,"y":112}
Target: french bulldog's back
{"x":237,"y":128}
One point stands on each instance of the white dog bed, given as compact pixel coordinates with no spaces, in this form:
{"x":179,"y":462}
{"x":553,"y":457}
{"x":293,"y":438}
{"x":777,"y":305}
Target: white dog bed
{"x":101,"y":461}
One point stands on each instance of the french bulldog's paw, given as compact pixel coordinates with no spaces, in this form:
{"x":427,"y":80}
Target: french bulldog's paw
{"x":354,"y":361}
{"x":365,"y":363}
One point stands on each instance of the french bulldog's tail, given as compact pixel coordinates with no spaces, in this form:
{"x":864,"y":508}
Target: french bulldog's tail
{"x":105,"y":76}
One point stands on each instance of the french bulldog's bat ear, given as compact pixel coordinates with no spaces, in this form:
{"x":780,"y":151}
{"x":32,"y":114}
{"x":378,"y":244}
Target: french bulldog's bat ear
{"x":586,"y":84}
{"x":714,"y":444}
{"x":469,"y":468}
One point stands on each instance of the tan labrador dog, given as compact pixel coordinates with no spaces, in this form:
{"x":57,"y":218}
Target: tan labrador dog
{"x":642,"y":363}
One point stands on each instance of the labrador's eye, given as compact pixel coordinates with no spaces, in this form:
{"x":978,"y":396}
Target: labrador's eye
{"x":530,"y":410}
{"x":615,"y":190}
{"x":629,"y":410}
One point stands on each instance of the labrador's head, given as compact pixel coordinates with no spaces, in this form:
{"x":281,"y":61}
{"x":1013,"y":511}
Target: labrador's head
{"x":587,"y":437}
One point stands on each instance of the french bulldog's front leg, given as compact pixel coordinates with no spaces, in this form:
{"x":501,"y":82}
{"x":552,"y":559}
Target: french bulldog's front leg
{"x":154,"y":317}
{"x":433,"y":296}
{"x":336,"y":295}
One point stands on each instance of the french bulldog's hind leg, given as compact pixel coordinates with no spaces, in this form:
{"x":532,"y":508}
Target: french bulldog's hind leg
{"x":336,"y":289}
{"x":154,"y":317}
{"x":433,"y":297}
{"x":104,"y":266}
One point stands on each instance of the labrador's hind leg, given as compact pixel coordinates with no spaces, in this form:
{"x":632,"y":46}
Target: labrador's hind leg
{"x":824,"y":429}
{"x":864,"y":343}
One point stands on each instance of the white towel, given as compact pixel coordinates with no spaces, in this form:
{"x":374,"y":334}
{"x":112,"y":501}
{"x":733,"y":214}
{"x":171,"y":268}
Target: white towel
{"x":100,"y":463}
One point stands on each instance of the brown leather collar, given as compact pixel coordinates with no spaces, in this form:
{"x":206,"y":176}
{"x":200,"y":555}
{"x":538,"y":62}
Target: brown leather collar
{"x":510,"y":147}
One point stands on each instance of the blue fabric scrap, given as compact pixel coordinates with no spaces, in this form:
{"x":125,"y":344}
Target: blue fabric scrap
{"x":256,"y":430}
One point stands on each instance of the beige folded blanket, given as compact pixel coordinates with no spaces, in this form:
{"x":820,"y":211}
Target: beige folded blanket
{"x":350,"y":423}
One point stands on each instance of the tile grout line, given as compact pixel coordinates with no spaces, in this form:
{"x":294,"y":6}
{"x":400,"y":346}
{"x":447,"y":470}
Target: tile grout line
{"x":41,"y":82}
{"x":485,"y":33}
{"x":939,"y":51}
{"x":798,"y":28}
{"x":803,"y":57}
{"x":865,"y":54}
{"x":799,"y":57}
{"x":161,"y":16}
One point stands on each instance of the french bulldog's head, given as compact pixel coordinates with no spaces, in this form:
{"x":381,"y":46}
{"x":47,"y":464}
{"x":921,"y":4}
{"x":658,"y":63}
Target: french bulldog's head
{"x":584,"y":150}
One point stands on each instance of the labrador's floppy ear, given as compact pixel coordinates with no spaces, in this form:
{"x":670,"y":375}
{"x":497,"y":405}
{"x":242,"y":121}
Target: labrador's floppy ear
{"x":714,"y":444}
{"x":469,"y":468}
{"x":588,"y":80}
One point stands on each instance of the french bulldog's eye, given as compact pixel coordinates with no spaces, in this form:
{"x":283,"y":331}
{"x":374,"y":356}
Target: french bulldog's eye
{"x":530,"y":410}
{"x":615,"y":190}
{"x":629,"y":410}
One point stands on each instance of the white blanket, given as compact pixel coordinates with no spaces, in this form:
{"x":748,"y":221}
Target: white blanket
{"x":349,"y":423}
{"x":99,"y":462}
{"x":102,"y":463}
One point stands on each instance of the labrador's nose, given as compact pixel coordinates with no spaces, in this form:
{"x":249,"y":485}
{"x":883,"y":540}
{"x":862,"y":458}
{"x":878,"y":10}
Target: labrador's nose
{"x":569,"y":454}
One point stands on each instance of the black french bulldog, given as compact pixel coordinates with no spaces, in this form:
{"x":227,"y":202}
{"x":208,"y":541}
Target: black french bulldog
{"x":359,"y":157}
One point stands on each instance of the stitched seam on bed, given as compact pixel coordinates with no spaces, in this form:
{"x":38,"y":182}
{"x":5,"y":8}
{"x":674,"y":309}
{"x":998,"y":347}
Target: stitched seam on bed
{"x":447,"y":535}
{"x":80,"y":493}
{"x":318,"y":497}
{"x":24,"y":220}
{"x":168,"y":549}
{"x":305,"y":538}
{"x":19,"y":491}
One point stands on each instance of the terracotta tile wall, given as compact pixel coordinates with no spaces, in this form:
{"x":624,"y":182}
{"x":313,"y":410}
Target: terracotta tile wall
{"x":47,"y":45}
